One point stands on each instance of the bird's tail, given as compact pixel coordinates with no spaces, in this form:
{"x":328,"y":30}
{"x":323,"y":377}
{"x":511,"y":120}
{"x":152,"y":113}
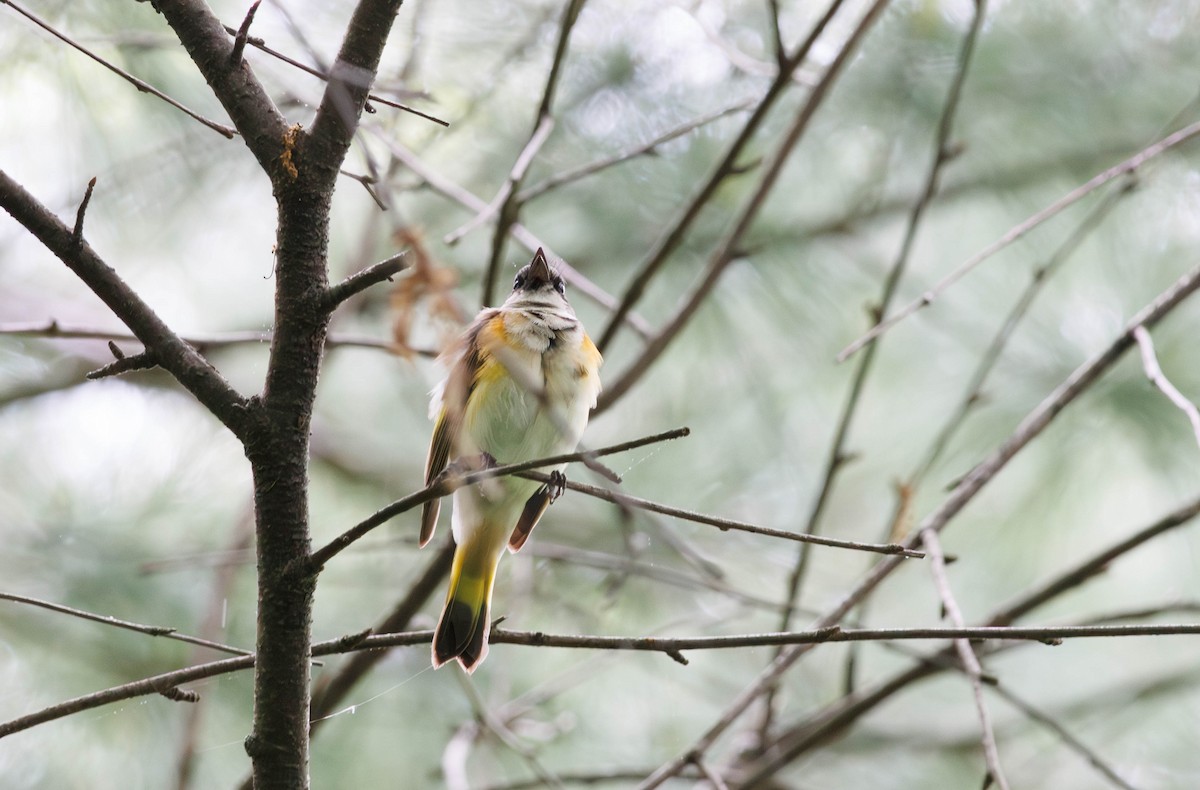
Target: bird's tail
{"x":462,"y":631}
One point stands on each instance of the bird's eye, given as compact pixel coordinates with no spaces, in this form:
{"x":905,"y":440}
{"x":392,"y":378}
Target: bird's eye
{"x":519,"y":282}
{"x":560,"y":286}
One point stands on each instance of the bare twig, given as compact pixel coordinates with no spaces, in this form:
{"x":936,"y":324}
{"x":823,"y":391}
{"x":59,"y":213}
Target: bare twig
{"x":77,"y":232}
{"x":837,"y":717}
{"x":123,"y":364}
{"x":239,"y":39}
{"x":1065,"y":735}
{"x":141,"y":85}
{"x":261,"y":46}
{"x":727,"y":524}
{"x":152,"y":630}
{"x":542,"y":187}
{"x":519,"y":168}
{"x":1160,"y":380}
{"x":837,"y":453}
{"x":360,"y":281}
{"x":1128,"y":166}
{"x":970,"y":662}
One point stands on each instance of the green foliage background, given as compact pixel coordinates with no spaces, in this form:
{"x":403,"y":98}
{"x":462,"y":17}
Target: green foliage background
{"x":123,"y":497}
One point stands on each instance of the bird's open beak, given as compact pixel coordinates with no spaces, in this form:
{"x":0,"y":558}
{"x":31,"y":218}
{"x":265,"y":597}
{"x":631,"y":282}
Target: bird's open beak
{"x":539,"y":270}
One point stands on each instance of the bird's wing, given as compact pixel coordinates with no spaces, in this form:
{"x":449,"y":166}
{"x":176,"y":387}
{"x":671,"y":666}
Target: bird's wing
{"x":453,"y":394}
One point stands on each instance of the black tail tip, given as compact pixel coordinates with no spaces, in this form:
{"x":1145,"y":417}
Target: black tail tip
{"x":461,"y":635}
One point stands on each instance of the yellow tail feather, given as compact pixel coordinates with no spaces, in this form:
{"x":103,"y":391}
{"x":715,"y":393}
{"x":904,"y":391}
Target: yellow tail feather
{"x":462,"y":631}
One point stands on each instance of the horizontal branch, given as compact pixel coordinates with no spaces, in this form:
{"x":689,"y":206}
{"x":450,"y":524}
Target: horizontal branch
{"x":724,"y":524}
{"x":355,"y":642}
{"x":54,"y":329}
{"x":448,"y":483}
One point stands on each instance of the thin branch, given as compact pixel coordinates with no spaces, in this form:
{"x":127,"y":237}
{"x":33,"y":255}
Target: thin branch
{"x":728,"y":249}
{"x":970,"y":662}
{"x":173,"y":354}
{"x":987,"y":363}
{"x":907,"y":490}
{"x":1130,"y":165}
{"x":519,"y":168}
{"x":360,"y":281}
{"x":509,"y":209}
{"x":152,"y":630}
{"x":53,"y":329}
{"x":1049,"y":635}
{"x":261,"y":46}
{"x":123,"y":364}
{"x":725,"y":524}
{"x":445,"y":484}
{"x":1160,"y":380}
{"x":141,"y":85}
{"x":553,"y":182}
{"x":520,"y":233}
{"x":1065,"y":735}
{"x":963,"y":492}
{"x":727,"y":167}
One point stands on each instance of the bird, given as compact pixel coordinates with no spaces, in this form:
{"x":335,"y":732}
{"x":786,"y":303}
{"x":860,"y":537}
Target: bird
{"x":523,"y":378}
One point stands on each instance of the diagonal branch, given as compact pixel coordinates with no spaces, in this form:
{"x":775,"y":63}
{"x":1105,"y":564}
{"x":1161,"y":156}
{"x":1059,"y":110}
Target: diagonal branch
{"x":1130,"y":165}
{"x":727,"y":167}
{"x":152,"y":630}
{"x":179,"y":359}
{"x":728,"y":248}
{"x":509,"y":207}
{"x":1160,"y":380}
{"x":835,"y":718}
{"x":350,"y":81}
{"x":967,"y":657}
{"x":140,"y":84}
